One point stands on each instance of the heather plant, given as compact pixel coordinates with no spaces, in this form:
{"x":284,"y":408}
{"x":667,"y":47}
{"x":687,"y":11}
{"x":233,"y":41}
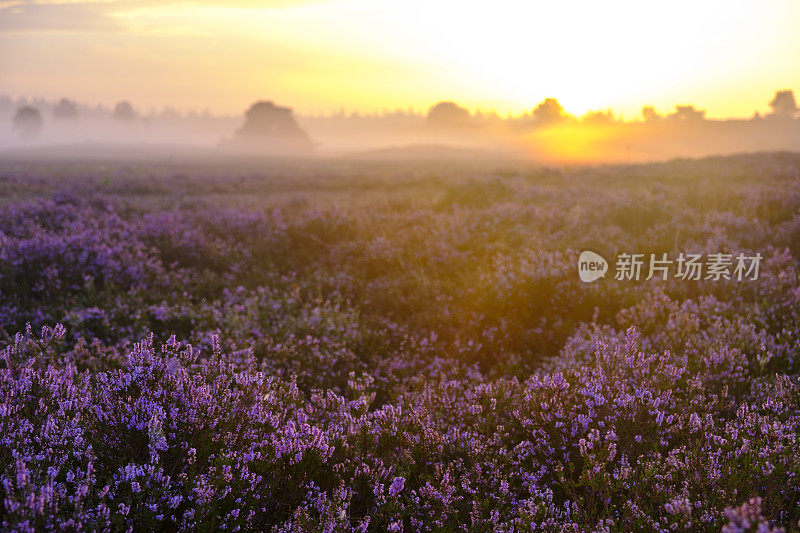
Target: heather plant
{"x":396,"y":349}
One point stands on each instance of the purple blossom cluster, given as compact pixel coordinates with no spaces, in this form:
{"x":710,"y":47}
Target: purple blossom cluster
{"x":428,"y":363}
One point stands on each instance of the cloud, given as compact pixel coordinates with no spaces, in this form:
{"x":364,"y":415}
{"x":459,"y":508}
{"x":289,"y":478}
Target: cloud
{"x":70,"y":16}
{"x":124,"y":4}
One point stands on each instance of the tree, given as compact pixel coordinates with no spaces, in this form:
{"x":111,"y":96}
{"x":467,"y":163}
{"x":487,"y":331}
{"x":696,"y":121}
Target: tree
{"x":272,"y":128}
{"x":27,"y":122}
{"x":598,"y":117}
{"x":448,"y":115}
{"x":549,"y":112}
{"x":649,"y":114}
{"x":124,"y":111}
{"x":687,"y":113}
{"x":65,"y":110}
{"x":784,"y":104}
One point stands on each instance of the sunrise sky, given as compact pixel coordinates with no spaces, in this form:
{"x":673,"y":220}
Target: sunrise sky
{"x":727,"y":56}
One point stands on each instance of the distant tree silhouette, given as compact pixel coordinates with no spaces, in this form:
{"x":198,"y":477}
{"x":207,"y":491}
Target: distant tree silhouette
{"x":65,"y":110}
{"x":274,"y":129}
{"x":124,"y":111}
{"x":448,"y":115}
{"x":549,"y":112}
{"x":169,"y":113}
{"x":784,"y":105}
{"x":27,"y":122}
{"x":649,"y":114}
{"x":6,"y":104}
{"x":687,"y":113}
{"x":598,"y":117}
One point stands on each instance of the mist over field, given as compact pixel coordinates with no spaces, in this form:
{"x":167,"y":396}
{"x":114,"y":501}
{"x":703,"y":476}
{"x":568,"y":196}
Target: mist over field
{"x":547,"y":134}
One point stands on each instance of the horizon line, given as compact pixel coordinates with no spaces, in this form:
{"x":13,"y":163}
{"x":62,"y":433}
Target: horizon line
{"x":344,"y":112}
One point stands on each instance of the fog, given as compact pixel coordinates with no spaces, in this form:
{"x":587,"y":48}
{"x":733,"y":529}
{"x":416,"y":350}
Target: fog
{"x":546,"y":134}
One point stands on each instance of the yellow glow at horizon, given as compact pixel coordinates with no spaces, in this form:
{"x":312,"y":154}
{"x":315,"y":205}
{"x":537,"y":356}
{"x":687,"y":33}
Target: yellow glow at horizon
{"x":318,"y":56}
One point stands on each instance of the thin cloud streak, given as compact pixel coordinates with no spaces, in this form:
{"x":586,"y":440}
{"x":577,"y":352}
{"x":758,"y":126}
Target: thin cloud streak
{"x":64,"y":16}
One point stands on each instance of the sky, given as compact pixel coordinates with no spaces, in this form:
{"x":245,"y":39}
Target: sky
{"x":728,"y":57}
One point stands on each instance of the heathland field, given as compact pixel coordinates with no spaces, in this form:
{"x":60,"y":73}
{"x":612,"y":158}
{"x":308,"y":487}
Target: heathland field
{"x":327,"y":346}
